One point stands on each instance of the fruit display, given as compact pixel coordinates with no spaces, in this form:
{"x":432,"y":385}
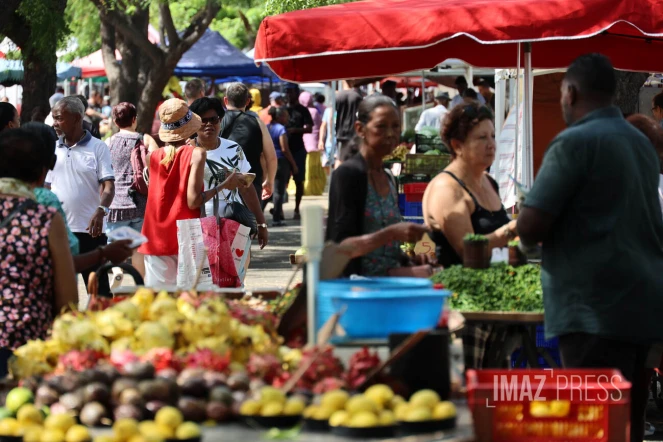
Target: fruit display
{"x":142,"y":324}
{"x":270,"y":402}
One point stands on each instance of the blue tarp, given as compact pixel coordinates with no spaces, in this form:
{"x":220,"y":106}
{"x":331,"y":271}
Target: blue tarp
{"x":11,"y":72}
{"x":213,"y":56}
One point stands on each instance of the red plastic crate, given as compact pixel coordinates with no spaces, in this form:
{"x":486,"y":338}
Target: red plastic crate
{"x":592,"y":405}
{"x":414,"y":192}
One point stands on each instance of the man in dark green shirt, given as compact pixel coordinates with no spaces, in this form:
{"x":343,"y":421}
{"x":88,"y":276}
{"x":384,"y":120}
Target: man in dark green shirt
{"x":594,"y":206}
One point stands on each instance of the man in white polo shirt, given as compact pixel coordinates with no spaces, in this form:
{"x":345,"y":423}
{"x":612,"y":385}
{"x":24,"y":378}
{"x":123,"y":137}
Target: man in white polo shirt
{"x":83,"y":176}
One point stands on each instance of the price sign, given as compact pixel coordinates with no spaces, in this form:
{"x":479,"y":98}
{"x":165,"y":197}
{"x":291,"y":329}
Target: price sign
{"x":425,"y":247}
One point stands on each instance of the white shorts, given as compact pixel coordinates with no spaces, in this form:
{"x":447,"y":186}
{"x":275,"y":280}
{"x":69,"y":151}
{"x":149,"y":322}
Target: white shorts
{"x":160,"y":271}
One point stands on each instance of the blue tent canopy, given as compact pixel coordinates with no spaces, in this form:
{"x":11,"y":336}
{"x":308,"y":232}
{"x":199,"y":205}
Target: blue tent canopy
{"x":213,"y":56}
{"x":11,"y":72}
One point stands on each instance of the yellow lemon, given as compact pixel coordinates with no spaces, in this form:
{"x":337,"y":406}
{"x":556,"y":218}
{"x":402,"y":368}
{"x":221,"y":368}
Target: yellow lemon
{"x":387,"y":417}
{"x":125,"y":428}
{"x":294,"y":407}
{"x":77,"y":433}
{"x":62,"y":422}
{"x":360,"y":403}
{"x":425,"y":398}
{"x":335,"y":399}
{"x":444,"y":410}
{"x":271,"y":409}
{"x":250,"y":408}
{"x":418,"y":414}
{"x":169,"y":417}
{"x":29,"y":413}
{"x":340,"y":418}
{"x":363,"y":419}
{"x":188,"y":430}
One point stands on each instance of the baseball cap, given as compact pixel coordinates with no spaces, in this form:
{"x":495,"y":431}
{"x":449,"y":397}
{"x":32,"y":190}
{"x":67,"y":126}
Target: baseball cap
{"x":291,"y":86}
{"x":442,"y":95}
{"x":275,"y":95}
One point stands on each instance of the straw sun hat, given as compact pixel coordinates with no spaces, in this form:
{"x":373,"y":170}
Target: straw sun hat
{"x":178,"y":123}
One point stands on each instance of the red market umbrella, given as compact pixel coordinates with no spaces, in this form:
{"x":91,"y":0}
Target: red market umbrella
{"x":386,"y":37}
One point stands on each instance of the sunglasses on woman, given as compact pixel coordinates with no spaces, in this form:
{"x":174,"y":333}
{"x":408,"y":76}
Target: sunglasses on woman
{"x":211,"y":120}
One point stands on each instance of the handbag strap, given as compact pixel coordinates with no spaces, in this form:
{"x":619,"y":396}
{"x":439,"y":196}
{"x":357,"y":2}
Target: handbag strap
{"x":225,"y":133}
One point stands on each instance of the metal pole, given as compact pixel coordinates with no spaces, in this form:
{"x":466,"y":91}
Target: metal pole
{"x":515,"y":157}
{"x":313,"y":241}
{"x":528,"y":146}
{"x":500,"y":102}
{"x":423,"y":91}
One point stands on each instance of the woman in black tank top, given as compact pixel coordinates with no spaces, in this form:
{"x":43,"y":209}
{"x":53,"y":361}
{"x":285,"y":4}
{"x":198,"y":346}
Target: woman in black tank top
{"x":464,"y":198}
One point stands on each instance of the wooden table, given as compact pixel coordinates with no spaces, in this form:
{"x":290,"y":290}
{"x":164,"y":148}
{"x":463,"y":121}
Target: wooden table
{"x":521,"y":326}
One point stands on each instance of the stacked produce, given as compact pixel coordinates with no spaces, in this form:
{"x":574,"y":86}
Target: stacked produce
{"x":136,"y":327}
{"x":379,"y":406}
{"x":399,"y":153}
{"x":499,"y":288}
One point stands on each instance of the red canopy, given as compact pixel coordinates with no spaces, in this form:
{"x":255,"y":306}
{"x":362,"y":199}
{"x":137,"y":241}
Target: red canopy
{"x":386,"y":37}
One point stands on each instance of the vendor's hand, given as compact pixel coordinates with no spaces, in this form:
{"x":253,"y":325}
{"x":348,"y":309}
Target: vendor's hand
{"x":512,"y":227}
{"x":321,"y":146}
{"x":424,"y":259}
{"x":233,"y":181}
{"x":295,"y":170}
{"x":408,"y":232}
{"x":267,"y":190}
{"x":96,"y":224}
{"x":263,"y":237}
{"x":118,"y":251}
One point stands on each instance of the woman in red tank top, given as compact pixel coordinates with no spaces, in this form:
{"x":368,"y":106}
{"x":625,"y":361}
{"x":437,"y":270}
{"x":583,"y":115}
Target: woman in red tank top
{"x":175,"y":191}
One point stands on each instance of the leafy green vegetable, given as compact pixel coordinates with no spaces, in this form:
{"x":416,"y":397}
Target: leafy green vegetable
{"x":514,"y":243}
{"x":499,"y":288}
{"x":473,"y":237}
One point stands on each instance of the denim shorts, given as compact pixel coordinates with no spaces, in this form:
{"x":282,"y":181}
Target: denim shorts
{"x":136,"y":224}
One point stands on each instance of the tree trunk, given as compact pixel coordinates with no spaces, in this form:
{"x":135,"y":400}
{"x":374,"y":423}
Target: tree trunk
{"x":157,"y":79}
{"x":628,"y":90}
{"x":39,"y":79}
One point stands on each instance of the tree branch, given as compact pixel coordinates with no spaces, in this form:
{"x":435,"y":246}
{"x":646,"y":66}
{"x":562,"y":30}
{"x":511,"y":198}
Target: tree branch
{"x":17,"y":30}
{"x":167,"y":23}
{"x":193,"y":32}
{"x":200,"y":23}
{"x":128,"y":31}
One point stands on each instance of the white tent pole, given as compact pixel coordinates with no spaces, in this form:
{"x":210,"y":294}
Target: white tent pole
{"x":500,"y":102}
{"x":423,"y":92}
{"x":515,"y":155}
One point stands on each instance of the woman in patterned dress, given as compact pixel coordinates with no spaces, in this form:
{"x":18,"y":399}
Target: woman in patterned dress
{"x":363,"y":199}
{"x":37,"y":278}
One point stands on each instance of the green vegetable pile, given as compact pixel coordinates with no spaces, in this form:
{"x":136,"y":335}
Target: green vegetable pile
{"x":501,"y":288}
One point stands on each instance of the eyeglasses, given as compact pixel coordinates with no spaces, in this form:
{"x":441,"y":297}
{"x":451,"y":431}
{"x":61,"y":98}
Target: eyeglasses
{"x":211,"y":120}
{"x":473,"y":111}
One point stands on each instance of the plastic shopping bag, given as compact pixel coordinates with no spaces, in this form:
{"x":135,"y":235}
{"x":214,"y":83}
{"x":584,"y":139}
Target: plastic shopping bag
{"x":191,"y":249}
{"x":228,"y":244}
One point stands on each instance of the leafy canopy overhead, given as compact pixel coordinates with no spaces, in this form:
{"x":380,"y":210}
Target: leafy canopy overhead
{"x":273,"y":7}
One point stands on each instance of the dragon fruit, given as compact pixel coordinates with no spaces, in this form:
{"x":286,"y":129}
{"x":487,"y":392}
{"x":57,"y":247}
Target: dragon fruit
{"x":361,"y":364}
{"x":79,"y":360}
{"x":163,"y":358}
{"x":329,"y":384}
{"x":208,"y":360}
{"x":120,"y":358}
{"x":266,"y":367}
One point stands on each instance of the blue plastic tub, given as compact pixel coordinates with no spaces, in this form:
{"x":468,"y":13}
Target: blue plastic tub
{"x":376,"y":315}
{"x":326,"y":289}
{"x":541,"y":341}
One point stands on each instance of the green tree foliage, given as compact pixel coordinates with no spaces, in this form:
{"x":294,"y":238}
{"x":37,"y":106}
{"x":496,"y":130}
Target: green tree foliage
{"x":273,"y":7}
{"x":47,"y":25}
{"x":84,"y":23}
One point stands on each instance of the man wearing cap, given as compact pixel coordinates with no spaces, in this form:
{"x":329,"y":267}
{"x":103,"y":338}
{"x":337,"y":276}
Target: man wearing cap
{"x":461,"y":86}
{"x":301,"y":123}
{"x":275,"y":100}
{"x":433,"y":117}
